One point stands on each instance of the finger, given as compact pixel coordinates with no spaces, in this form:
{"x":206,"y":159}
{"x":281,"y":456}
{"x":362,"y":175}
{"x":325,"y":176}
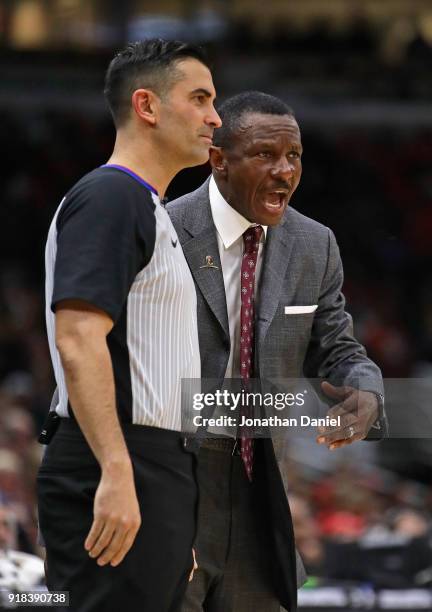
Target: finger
{"x":340,"y":434}
{"x":125,"y":547}
{"x":344,"y":442}
{"x":336,"y":436}
{"x":342,"y":424}
{"x":94,"y":533}
{"x":103,"y":541}
{"x":113,"y":547}
{"x":338,"y":420}
{"x":337,"y":393}
{"x":340,"y":444}
{"x":360,"y":432}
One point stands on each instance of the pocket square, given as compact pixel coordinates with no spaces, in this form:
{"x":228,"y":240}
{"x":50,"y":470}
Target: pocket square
{"x":300,"y":309}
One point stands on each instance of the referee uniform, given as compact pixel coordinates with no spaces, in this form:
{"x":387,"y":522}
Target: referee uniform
{"x":112,"y":244}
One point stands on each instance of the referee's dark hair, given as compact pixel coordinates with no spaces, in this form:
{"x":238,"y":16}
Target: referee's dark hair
{"x":233,"y":110}
{"x":148,"y":64}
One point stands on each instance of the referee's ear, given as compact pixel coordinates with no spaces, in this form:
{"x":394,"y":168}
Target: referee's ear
{"x":144,"y":103}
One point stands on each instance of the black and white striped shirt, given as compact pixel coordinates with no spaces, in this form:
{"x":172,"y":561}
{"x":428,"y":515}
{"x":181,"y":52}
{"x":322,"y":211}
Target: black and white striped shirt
{"x":112,"y":244}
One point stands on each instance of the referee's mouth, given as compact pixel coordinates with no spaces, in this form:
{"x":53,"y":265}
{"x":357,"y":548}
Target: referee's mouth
{"x":208,"y":138}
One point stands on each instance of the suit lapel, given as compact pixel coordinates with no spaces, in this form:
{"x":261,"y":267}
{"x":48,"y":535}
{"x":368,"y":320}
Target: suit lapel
{"x":198,"y":223}
{"x":278,"y":252}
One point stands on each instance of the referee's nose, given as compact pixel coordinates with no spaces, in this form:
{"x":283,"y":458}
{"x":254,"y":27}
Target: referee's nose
{"x":213,"y":119}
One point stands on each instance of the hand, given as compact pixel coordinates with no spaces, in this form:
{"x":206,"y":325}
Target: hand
{"x":357,"y":410}
{"x":195,"y":566}
{"x":116,"y":517}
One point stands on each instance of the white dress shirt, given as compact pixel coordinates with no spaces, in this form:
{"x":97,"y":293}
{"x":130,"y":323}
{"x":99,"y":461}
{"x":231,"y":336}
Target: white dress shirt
{"x":230,"y":227}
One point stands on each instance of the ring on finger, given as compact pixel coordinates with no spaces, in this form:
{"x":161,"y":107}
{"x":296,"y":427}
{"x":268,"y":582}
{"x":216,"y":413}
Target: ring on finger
{"x":351,"y":431}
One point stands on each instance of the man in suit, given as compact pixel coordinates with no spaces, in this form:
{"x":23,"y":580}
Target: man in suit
{"x":251,"y":257}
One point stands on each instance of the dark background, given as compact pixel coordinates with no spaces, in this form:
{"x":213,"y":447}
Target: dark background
{"x":357,"y":74}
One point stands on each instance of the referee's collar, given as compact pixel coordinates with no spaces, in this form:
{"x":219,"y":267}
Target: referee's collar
{"x":133,"y":175}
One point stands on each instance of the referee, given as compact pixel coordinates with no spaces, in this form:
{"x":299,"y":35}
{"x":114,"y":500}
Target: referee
{"x":116,"y":489}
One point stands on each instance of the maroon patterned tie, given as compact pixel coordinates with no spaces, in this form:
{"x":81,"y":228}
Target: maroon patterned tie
{"x":251,"y":239}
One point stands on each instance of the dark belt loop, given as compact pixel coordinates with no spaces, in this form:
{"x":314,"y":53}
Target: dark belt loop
{"x":190,"y":444}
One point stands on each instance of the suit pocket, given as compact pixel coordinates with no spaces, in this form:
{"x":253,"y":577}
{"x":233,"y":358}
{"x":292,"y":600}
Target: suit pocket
{"x":295,"y":310}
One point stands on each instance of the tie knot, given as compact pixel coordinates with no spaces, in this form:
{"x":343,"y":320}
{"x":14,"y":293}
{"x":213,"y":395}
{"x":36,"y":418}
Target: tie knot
{"x":251,"y":238}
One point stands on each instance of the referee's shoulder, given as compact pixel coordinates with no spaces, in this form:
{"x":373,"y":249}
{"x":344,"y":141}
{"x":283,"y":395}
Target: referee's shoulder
{"x":102,"y":178}
{"x":99,"y":192}
{"x":109,"y":186}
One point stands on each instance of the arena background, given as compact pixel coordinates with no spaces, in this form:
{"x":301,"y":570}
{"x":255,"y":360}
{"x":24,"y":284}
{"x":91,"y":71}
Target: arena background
{"x":357,"y":73}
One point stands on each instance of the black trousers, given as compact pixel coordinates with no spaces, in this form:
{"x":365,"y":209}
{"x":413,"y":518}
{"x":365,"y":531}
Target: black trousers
{"x":154,"y":574}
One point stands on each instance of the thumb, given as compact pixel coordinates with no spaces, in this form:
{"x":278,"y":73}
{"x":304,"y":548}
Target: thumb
{"x":337,"y":393}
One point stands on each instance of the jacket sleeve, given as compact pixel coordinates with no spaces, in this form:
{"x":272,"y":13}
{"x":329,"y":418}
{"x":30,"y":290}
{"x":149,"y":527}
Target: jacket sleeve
{"x":333,"y":353}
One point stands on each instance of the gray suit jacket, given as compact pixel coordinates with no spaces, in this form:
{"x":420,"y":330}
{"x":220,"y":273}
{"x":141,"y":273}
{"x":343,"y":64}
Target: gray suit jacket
{"x":301,"y":266}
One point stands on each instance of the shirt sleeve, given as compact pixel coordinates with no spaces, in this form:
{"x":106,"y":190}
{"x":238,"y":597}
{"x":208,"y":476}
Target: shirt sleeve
{"x":99,"y":249}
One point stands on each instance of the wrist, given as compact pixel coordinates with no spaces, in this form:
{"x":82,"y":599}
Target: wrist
{"x":379,"y":428}
{"x":116,"y":466}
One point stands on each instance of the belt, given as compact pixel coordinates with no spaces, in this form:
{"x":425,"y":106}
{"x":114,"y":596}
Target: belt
{"x":225,"y":445}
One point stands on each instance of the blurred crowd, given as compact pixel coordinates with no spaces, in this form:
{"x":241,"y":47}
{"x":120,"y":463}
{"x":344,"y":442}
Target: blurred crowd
{"x":360,"y":523}
{"x":372,"y":188}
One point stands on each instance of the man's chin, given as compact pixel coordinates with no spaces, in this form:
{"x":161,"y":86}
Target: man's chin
{"x":200,"y":158}
{"x":271,"y":216}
